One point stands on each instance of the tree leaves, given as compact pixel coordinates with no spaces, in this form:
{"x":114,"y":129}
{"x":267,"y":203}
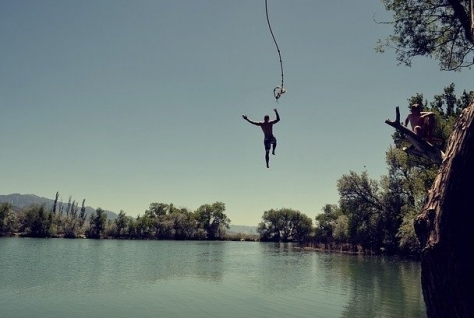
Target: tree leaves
{"x":284,"y":225}
{"x":436,"y":29}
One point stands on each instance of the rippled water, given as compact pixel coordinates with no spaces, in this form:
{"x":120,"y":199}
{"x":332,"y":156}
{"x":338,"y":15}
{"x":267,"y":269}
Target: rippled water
{"x":113,"y":278}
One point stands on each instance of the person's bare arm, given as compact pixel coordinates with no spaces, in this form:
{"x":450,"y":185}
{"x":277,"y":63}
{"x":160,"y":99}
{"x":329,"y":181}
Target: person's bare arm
{"x":425,"y":114}
{"x":250,"y":121}
{"x":277,"y":116}
{"x":406,"y":120}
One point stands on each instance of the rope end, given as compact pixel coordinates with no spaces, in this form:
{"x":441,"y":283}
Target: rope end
{"x":278,"y":92}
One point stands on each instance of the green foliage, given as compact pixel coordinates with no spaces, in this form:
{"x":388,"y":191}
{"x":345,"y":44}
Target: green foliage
{"x":270,"y":227}
{"x":163,"y":221}
{"x":409,"y":243}
{"x":379,"y":215}
{"x":164,"y":227}
{"x":447,"y":108}
{"x":361,"y":201}
{"x":341,"y":229}
{"x":184,"y":224}
{"x":144,"y":226}
{"x":160,"y":221}
{"x":71,"y":222}
{"x":285,"y":225}
{"x":55,"y":203}
{"x":37,"y":221}
{"x":82,"y":215}
{"x":6,"y":218}
{"x":97,"y":224}
{"x":212,"y":220}
{"x":437,"y":29}
{"x":326,"y":223}
{"x":302,"y":227}
{"x":121,"y":224}
{"x":159,"y":209}
{"x":110,"y":229}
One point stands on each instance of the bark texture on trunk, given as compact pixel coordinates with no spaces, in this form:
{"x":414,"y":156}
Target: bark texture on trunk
{"x":445,"y":228}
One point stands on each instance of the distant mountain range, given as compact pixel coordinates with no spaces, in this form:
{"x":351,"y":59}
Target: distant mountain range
{"x":19,"y":201}
{"x":248,"y":230}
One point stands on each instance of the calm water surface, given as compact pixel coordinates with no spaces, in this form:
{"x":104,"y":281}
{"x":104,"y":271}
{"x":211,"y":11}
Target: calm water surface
{"x":113,"y":278}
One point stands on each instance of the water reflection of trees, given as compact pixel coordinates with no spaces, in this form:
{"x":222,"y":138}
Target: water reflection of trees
{"x":209,"y":263}
{"x":380,"y":287}
{"x":362,"y":286}
{"x":165,"y":260}
{"x":123,"y":265}
{"x":281,"y":269}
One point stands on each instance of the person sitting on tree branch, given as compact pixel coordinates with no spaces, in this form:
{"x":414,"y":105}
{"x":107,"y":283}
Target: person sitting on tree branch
{"x":267,"y":128}
{"x":422,"y":123}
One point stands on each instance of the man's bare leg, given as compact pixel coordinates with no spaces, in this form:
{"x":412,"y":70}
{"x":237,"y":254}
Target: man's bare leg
{"x":428,"y":127}
{"x":267,"y":157}
{"x":274,"y":146}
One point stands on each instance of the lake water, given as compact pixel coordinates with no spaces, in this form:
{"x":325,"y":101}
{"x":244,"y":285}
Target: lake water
{"x":124,"y":278}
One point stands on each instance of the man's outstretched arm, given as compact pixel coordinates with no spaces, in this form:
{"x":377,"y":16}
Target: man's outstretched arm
{"x":277,"y":115}
{"x":250,"y":121}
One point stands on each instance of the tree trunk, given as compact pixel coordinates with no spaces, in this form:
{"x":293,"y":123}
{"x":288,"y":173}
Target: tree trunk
{"x":445,"y":228}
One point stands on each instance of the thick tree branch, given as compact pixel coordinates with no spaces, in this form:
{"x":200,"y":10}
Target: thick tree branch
{"x":420,"y":146}
{"x":463,"y":18}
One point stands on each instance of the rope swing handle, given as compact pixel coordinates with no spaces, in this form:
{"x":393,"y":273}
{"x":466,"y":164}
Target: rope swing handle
{"x":279,"y":90}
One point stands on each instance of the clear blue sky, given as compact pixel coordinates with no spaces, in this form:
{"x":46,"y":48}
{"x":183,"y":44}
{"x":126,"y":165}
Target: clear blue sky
{"x":125,"y":103}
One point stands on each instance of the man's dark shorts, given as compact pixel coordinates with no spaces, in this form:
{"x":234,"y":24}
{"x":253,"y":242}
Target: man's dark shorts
{"x":268,"y":141}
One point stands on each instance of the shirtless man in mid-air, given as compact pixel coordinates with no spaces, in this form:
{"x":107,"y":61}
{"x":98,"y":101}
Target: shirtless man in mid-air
{"x":267,"y":128}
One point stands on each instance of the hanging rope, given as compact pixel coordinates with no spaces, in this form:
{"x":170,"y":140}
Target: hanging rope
{"x":279,"y":90}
